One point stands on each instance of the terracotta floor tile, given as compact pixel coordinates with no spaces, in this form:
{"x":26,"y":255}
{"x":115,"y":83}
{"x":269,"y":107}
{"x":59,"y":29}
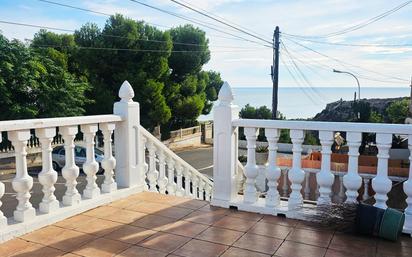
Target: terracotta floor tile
{"x":75,"y":221}
{"x":347,"y":244}
{"x":98,"y":227}
{"x":237,"y":252}
{"x":245,"y":215}
{"x":148,"y":207}
{"x":214,"y":209}
{"x":399,"y":252}
{"x":202,"y":217}
{"x":279,"y":220}
{"x":403,"y":241}
{"x":311,"y":226}
{"x":101,"y":212}
{"x":200,"y":248}
{"x":164,"y":242}
{"x":192,"y":204}
{"x":14,"y":246}
{"x":125,"y":216}
{"x":68,"y":240}
{"x":137,"y":251}
{"x":336,"y":253}
{"x":38,"y":250}
{"x":235,"y":223}
{"x":71,"y":255}
{"x":272,"y":230}
{"x":293,"y":249}
{"x":184,"y":228}
{"x":101,"y":247}
{"x":258,"y":243}
{"x":130,"y":234}
{"x":312,"y":237}
{"x":174,"y":212}
{"x":121,"y":204}
{"x":153,"y":222}
{"x":43,"y":235}
{"x":220,"y":235}
{"x":348,"y":240}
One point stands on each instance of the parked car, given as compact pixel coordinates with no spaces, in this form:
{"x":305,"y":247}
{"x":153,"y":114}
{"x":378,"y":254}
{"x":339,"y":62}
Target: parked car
{"x":59,"y":156}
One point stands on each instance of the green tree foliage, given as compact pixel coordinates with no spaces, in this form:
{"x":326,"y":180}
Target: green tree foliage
{"x":398,"y":111}
{"x":34,"y":84}
{"x":376,"y":117}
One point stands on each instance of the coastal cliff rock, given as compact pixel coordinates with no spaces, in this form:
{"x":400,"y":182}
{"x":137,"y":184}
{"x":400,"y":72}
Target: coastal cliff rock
{"x":342,"y":110}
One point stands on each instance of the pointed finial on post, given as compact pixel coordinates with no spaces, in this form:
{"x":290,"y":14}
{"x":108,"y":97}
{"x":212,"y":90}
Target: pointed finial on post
{"x":225,"y":94}
{"x":126,"y":92}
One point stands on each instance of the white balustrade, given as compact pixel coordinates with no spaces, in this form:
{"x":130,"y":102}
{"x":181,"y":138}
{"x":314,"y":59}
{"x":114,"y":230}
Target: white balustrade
{"x":22,"y":183}
{"x":201,"y":188}
{"x":352,"y":180}
{"x":109,"y":162}
{"x":70,"y":171}
{"x":188,"y":177}
{"x":90,"y":167}
{"x":208,"y":192}
{"x":407,"y":188}
{"x":272,"y":171}
{"x":296,"y":174}
{"x":195,"y":187}
{"x":180,"y":191}
{"x":152,"y":173}
{"x":48,"y":176}
{"x":325,"y":178}
{"x":162,"y":179}
{"x":171,"y":185}
{"x":381,"y":184}
{"x":145,"y":164}
{"x":251,"y":169}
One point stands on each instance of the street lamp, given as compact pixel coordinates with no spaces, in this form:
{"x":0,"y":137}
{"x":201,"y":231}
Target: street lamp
{"x":357,"y":80}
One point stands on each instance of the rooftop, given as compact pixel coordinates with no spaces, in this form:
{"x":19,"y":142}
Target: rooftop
{"x":152,"y":224}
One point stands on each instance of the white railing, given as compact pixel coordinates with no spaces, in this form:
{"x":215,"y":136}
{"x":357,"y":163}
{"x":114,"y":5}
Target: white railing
{"x":226,"y":124}
{"x":126,"y":172}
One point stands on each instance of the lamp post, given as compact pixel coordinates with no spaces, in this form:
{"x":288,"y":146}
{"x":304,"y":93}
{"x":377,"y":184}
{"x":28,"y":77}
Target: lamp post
{"x":357,"y":80}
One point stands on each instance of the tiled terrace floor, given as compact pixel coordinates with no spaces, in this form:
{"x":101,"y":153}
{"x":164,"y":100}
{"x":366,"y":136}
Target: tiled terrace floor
{"x":150,"y":224}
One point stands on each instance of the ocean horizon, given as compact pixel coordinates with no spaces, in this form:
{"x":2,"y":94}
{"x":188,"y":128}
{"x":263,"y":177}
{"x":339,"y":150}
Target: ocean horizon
{"x":295,"y":102}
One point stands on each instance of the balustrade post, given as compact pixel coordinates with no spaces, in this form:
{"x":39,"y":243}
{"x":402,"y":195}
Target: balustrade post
{"x":48,"y":176}
{"x":325,"y":177}
{"x":381,"y":184}
{"x":179,"y":187}
{"x":352,"y":181}
{"x":109,"y":162}
{"x":162,"y":179}
{"x":251,"y":169}
{"x":272,"y":170}
{"x":22,"y":183}
{"x":152,"y":173}
{"x":129,"y":150}
{"x":70,"y":171}
{"x":3,"y":219}
{"x":90,"y":167}
{"x":171,"y":185}
{"x":224,"y":149}
{"x":407,"y":188}
{"x":296,"y":174}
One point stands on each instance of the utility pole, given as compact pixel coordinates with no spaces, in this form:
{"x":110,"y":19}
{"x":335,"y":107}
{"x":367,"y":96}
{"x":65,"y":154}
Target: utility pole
{"x":275,"y":73}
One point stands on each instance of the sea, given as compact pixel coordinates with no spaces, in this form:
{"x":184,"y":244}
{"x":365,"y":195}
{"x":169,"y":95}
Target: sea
{"x":295,"y":102}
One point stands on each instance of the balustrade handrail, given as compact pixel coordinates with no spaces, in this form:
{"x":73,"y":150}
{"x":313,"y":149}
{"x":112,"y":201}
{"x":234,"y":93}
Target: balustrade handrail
{"x":169,"y":152}
{"x":325,"y":126}
{"x":11,"y":125}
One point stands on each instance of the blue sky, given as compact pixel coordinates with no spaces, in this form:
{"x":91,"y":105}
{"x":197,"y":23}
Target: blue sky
{"x":248,"y":64}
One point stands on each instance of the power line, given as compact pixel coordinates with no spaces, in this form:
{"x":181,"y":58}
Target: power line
{"x":114,"y":36}
{"x":196,"y":22}
{"x":221,"y":21}
{"x":361,"y":24}
{"x":343,"y":63}
{"x":348,"y":44}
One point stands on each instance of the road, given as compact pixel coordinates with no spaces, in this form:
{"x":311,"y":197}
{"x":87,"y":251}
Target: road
{"x":201,"y":159}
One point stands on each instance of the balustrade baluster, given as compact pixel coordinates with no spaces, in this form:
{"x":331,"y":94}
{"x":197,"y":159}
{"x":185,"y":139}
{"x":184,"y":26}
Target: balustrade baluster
{"x":407,"y":188}
{"x":251,"y":169}
{"x":381,"y":184}
{"x":366,"y":182}
{"x":90,"y":167}
{"x":162,"y":180}
{"x":187,"y":175}
{"x":109,"y":162}
{"x":22,"y":182}
{"x":152,"y":173}
{"x":171,"y":185}
{"x":202,"y":185}
{"x":352,"y":180}
{"x":70,"y":171}
{"x":208,"y":191}
{"x":48,"y":176}
{"x":3,"y":219}
{"x":179,"y":187}
{"x":325,"y":178}
{"x":272,"y":171}
{"x":145,"y":165}
{"x":296,"y":174}
{"x":195,"y":187}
